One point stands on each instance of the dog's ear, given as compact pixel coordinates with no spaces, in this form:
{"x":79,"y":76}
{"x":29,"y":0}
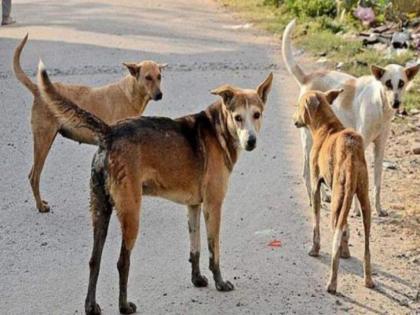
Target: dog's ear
{"x":377,"y":72}
{"x":331,"y":95}
{"x":162,"y":65}
{"x":134,"y":68}
{"x":265,"y":87}
{"x":412,"y":71}
{"x":312,"y":101}
{"x":226,"y":92}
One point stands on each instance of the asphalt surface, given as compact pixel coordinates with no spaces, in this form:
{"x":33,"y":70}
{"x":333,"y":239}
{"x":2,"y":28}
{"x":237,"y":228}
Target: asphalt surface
{"x":44,"y":257}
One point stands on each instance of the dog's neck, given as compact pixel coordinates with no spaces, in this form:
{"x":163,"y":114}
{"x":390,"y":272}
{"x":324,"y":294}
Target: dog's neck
{"x":135,"y":93}
{"x":324,"y":122}
{"x":225,"y":136}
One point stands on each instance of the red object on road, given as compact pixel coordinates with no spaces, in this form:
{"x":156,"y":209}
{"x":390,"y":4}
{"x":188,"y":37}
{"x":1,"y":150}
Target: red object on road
{"x":275,"y":243}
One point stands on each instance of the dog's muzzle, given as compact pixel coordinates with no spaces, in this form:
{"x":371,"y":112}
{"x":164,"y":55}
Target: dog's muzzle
{"x":298,"y":124}
{"x":251,"y":143}
{"x":396,"y":104}
{"x":158,"y":96}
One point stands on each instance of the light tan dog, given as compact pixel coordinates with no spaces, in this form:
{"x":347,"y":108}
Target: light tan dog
{"x":187,"y":160}
{"x":337,"y":159}
{"x":125,"y":98}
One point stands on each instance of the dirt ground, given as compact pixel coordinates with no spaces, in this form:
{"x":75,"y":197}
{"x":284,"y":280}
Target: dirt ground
{"x":44,"y":257}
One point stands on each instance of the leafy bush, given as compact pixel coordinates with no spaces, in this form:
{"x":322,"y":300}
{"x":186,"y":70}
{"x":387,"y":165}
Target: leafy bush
{"x":331,"y":24}
{"x":311,"y":8}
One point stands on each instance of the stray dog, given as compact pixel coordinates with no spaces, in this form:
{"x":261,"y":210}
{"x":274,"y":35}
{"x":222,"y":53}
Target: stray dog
{"x":125,"y":98}
{"x":337,"y":160}
{"x":367,"y":104}
{"x":187,"y":160}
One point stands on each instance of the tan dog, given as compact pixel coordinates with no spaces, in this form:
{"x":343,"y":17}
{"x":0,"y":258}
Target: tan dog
{"x":125,"y":98}
{"x":337,"y":159}
{"x":187,"y":160}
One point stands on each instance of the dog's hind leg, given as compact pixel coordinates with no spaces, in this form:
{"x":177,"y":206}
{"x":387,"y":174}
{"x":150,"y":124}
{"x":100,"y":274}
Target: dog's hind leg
{"x":342,"y":197}
{"x":316,"y":206}
{"x":345,"y":251}
{"x":127,"y":198}
{"x":101,"y":210}
{"x":194,"y":213}
{"x":43,"y":137}
{"x":379,"y":157}
{"x":212,"y":216}
{"x":363,"y":195}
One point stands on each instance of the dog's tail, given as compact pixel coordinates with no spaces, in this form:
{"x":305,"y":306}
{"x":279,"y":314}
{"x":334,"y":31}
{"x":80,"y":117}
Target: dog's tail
{"x":67,"y":112}
{"x":288,"y":58}
{"x":20,"y":75}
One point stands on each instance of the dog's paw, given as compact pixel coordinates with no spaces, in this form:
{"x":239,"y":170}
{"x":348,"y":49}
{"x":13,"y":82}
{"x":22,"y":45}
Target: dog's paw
{"x":199,"y":281}
{"x":224,"y":286}
{"x":43,"y":207}
{"x":332,"y":288}
{"x":345,"y":253}
{"x":382,"y":213}
{"x":369,"y":283}
{"x":93,"y":309}
{"x":128,"y":308}
{"x":314,"y":252}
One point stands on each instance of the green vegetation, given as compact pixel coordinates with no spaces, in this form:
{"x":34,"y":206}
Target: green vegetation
{"x":319,"y":33}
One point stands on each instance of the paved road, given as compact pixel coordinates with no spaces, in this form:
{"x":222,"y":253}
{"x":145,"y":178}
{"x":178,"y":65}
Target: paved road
{"x":43,"y":257}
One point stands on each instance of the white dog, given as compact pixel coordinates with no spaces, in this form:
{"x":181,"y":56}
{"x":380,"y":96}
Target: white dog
{"x":367,"y":104}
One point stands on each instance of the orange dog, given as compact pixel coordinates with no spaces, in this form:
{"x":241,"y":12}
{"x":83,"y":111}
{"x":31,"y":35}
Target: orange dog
{"x":337,"y":159}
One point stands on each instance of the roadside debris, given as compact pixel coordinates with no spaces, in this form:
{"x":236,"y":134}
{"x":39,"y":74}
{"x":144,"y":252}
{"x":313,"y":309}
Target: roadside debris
{"x":395,"y":35}
{"x":275,"y":243}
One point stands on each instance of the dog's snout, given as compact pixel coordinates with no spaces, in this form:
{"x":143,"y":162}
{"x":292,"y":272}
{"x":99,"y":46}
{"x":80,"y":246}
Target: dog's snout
{"x":396,"y":104}
{"x":251,"y":143}
{"x":158,"y":96}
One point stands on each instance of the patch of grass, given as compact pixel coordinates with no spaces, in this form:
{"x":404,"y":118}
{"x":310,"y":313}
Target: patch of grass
{"x":323,"y":35}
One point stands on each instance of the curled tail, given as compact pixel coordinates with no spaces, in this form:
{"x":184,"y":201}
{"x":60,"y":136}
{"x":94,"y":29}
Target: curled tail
{"x":288,"y":58}
{"x":67,"y":112}
{"x":20,"y":75}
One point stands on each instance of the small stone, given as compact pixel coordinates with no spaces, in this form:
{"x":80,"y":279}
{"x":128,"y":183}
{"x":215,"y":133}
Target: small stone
{"x":389,"y":165}
{"x":416,"y":149}
{"x":44,"y":243}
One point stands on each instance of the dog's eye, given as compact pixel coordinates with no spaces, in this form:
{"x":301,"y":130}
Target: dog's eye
{"x":400,"y":84}
{"x":159,"y":77}
{"x":257,"y":115}
{"x":238,"y":118}
{"x":388,"y":84}
{"x":149,"y":78}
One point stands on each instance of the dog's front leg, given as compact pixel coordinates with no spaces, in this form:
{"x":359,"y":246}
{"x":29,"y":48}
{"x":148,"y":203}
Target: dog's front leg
{"x":212,"y":216}
{"x":316,"y":205}
{"x":194,"y":213}
{"x":379,"y":151}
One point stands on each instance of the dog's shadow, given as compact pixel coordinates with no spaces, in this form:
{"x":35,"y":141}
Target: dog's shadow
{"x":354,"y":266}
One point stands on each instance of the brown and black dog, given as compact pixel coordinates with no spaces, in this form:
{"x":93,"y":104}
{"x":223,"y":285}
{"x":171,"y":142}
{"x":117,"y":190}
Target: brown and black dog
{"x":337,"y":159}
{"x":187,"y":160}
{"x":125,"y":98}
